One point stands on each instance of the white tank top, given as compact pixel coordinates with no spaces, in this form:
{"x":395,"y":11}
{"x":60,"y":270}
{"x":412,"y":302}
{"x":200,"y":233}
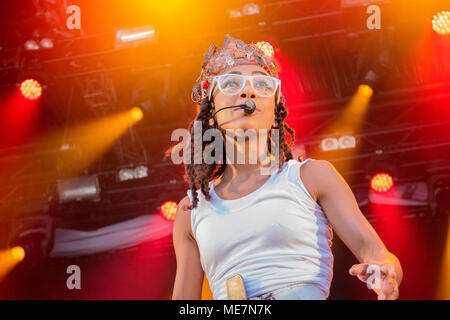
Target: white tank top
{"x":273,"y":237}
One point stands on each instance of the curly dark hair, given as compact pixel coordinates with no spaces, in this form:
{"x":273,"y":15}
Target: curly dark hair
{"x":198,"y":175}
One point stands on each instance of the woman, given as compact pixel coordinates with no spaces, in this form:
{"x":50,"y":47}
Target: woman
{"x":273,"y":230}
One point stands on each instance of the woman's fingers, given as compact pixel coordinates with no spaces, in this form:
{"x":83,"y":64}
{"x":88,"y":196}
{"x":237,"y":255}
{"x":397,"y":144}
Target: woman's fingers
{"x":382,"y":278}
{"x":387,"y":270}
{"x":388,"y":289}
{"x":395,"y":293}
{"x":390,"y":286}
{"x":358,"y":269}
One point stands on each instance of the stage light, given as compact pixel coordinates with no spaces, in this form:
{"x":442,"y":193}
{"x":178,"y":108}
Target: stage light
{"x":365,"y":90}
{"x":381,"y":172}
{"x":266,"y":47}
{"x":381,"y":182}
{"x":126,"y":174}
{"x":31,"y":89}
{"x":135,"y":36}
{"x":79,"y":188}
{"x":136,"y":114}
{"x":343,"y":142}
{"x":46,"y":43}
{"x":250,"y":9}
{"x":347,"y":142}
{"x":9,"y":259}
{"x":18,"y":253}
{"x":31,"y":45}
{"x":141,"y":172}
{"x":441,"y":23}
{"x":234,"y":13}
{"x":169,"y":209}
{"x":329,"y":144}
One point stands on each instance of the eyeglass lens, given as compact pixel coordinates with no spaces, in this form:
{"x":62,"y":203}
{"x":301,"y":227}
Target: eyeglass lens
{"x":232,"y":84}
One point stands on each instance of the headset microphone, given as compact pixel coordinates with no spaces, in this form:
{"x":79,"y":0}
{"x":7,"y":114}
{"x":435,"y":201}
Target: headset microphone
{"x":249,"y":107}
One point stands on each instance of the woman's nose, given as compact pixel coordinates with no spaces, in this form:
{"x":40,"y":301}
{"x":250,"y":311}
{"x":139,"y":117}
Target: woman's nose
{"x":247,"y":92}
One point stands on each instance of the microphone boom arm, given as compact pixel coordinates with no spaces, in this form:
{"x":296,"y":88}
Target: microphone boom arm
{"x":249,"y":107}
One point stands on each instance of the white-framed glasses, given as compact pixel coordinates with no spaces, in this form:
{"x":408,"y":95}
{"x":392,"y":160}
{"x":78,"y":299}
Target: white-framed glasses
{"x":232,"y":84}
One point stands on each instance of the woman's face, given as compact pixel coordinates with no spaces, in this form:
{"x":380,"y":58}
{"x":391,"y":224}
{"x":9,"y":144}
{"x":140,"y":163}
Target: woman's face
{"x":235,"y":118}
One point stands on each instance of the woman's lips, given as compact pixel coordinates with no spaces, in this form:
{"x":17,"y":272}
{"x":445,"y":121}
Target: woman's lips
{"x":242,"y":109}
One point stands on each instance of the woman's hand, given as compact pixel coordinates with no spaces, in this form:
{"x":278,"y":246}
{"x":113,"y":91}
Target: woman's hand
{"x":379,"y":276}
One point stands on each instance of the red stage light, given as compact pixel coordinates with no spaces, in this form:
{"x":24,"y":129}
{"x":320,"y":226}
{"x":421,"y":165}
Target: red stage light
{"x":31,"y":89}
{"x":441,"y":23}
{"x":266,"y":47}
{"x":169,"y":209}
{"x":381,"y":182}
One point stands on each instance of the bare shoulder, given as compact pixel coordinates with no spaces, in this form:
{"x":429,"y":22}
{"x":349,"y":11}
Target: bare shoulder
{"x":314,"y":174}
{"x":183,"y":217}
{"x":320,"y":176}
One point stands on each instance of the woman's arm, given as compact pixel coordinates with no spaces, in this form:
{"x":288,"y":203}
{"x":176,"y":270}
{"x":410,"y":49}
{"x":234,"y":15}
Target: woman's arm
{"x":189,"y":275}
{"x":338,"y":202}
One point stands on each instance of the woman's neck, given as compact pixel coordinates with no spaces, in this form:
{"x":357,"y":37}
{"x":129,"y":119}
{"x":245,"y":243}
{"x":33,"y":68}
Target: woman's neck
{"x":242,"y":166}
{"x":242,"y":172}
{"x":247,"y":157}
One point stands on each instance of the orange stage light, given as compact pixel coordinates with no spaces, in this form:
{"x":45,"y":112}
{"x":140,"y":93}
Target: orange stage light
{"x":18,"y":253}
{"x":365,"y":90}
{"x":136,"y":114}
{"x":381,"y":182}
{"x":31,"y":89}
